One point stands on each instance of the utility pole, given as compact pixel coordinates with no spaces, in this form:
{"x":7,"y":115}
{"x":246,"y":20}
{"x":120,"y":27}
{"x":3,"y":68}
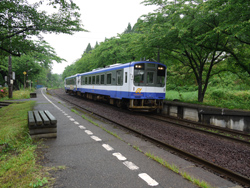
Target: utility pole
{"x":10,"y":80}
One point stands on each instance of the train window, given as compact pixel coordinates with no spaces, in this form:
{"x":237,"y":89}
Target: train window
{"x":97,"y":79}
{"x":138,"y":76}
{"x":161,"y":80}
{"x":90,"y":80}
{"x":82,"y":80}
{"x":86,"y":80}
{"x":109,"y":78}
{"x":126,"y":77}
{"x":119,"y":77}
{"x":93,"y":79}
{"x":150,"y":77}
{"x":102,"y":79}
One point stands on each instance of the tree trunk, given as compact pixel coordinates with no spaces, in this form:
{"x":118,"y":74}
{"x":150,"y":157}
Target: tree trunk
{"x":200,"y":92}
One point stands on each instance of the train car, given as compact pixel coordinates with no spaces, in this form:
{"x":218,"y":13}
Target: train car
{"x":138,"y":85}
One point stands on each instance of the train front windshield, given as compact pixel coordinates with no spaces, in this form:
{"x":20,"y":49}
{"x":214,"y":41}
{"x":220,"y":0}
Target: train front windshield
{"x":149,"y":74}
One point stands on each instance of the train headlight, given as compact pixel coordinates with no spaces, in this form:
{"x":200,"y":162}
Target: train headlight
{"x":160,"y":68}
{"x":138,"y":66}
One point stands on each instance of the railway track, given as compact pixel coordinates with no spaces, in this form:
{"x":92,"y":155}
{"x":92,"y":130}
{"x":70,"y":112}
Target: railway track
{"x":233,"y":135}
{"x":245,"y":181}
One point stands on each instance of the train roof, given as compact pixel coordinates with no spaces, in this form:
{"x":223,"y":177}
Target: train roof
{"x":113,"y":67}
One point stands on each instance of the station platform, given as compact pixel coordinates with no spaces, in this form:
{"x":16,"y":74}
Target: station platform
{"x":92,"y":157}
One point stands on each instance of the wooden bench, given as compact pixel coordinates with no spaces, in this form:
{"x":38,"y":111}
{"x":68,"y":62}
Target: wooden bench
{"x":42,"y":124}
{"x":33,"y":95}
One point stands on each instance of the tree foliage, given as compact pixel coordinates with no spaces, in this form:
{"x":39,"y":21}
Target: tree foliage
{"x":21,"y":20}
{"x":196,"y":39}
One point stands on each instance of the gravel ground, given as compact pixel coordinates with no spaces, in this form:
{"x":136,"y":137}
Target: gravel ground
{"x":225,"y":153}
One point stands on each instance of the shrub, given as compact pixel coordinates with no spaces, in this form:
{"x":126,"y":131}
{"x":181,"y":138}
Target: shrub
{"x":3,"y":92}
{"x":217,"y":94}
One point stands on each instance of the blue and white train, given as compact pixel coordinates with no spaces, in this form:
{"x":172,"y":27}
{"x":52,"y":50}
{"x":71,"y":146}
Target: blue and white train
{"x":138,"y":85}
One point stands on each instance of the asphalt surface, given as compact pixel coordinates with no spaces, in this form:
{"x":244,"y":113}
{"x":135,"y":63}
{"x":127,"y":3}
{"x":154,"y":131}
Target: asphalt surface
{"x":95,"y":158}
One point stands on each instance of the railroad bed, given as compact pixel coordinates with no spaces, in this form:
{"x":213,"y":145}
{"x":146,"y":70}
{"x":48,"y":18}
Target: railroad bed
{"x":225,"y":153}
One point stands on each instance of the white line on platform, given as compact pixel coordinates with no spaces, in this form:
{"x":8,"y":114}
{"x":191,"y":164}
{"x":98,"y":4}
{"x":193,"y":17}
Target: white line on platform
{"x":96,"y":138}
{"x":76,"y":123}
{"x":131,"y":165}
{"x":82,"y":127}
{"x":148,"y":179}
{"x":107,"y":147}
{"x":120,"y":156}
{"x":88,"y":132}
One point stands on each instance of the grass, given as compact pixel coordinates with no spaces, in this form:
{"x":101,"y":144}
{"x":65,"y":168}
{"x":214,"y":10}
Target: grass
{"x":224,"y":98}
{"x":19,"y":154}
{"x":20,"y":94}
{"x":18,"y":159}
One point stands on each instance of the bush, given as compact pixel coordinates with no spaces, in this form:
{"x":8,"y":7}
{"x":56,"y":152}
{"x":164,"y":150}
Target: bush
{"x":3,"y":92}
{"x":217,"y":94}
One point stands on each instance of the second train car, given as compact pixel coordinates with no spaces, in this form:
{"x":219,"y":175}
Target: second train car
{"x":138,"y":85}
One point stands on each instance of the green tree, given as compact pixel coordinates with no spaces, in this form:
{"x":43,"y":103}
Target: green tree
{"x":175,"y":30}
{"x":129,"y":29}
{"x":32,"y":63}
{"x":88,"y":49}
{"x":232,"y":19}
{"x":21,"y":20}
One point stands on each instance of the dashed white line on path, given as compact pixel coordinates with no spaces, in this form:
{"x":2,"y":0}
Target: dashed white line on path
{"x":107,"y":147}
{"x":120,"y":156}
{"x":96,"y":138}
{"x":131,"y":165}
{"x":82,"y":127}
{"x":148,"y":179}
{"x":88,"y":132}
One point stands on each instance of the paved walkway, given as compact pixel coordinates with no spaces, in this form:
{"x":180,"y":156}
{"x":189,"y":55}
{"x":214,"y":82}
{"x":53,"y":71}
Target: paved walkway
{"x":95,"y":158}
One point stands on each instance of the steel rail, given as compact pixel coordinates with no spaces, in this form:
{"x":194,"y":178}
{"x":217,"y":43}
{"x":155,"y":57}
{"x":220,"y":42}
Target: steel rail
{"x":207,"y":126}
{"x":203,"y":131}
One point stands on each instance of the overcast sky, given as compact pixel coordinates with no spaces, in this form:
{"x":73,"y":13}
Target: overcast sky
{"x":102,"y":18}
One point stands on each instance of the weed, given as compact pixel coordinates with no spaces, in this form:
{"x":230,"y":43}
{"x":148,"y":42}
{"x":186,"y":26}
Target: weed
{"x":137,"y":148}
{"x":176,"y":170}
{"x":72,"y":110}
{"x":39,"y":183}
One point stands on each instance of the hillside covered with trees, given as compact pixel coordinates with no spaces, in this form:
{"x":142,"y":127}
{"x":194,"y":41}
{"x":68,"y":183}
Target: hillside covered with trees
{"x":205,"y":44}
